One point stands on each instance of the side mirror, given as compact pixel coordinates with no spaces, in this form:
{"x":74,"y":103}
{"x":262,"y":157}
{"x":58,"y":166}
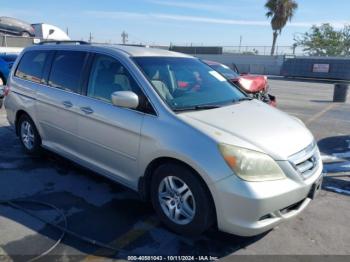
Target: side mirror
{"x":127,"y":99}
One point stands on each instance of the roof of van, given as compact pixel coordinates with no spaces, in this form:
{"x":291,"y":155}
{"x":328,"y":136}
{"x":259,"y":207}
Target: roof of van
{"x":147,"y":51}
{"x":135,"y":51}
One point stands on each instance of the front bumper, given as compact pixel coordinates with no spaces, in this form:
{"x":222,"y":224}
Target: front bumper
{"x":251,"y":208}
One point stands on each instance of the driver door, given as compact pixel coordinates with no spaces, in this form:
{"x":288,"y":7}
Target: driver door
{"x":110,"y":135}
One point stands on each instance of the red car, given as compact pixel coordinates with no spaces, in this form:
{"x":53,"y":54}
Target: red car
{"x":255,"y":85}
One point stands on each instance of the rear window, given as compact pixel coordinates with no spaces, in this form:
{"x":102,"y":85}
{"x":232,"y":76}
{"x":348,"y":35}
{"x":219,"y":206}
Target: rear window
{"x":31,"y":66}
{"x":66,"y":71}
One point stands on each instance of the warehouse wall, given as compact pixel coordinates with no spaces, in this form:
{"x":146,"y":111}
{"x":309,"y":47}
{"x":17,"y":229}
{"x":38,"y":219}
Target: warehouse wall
{"x":254,"y":64}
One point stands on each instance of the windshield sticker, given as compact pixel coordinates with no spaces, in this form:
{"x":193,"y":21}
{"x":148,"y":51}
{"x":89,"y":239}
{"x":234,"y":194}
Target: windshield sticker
{"x":217,"y":76}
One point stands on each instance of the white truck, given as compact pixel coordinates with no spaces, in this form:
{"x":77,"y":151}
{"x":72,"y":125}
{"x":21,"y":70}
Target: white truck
{"x":49,"y":32}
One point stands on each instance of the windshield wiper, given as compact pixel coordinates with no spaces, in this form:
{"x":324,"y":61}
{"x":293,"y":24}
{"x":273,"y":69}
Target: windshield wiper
{"x":193,"y":108}
{"x":199,"y":107}
{"x":246,"y":98}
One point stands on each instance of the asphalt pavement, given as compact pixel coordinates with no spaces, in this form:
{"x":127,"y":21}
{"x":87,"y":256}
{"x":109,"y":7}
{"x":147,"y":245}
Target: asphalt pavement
{"x":102,"y":210}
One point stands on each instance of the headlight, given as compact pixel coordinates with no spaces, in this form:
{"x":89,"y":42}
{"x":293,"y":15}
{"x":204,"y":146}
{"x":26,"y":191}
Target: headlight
{"x":251,"y":165}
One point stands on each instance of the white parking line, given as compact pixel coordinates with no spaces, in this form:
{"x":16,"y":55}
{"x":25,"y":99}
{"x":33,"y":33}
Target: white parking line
{"x":342,"y":155}
{"x":330,"y":158}
{"x":338,"y":190}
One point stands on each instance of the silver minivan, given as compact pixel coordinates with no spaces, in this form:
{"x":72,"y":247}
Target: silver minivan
{"x":170,"y":127}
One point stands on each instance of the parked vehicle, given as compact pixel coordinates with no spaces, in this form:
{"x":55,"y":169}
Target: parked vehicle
{"x":202,"y":155}
{"x":2,"y":94}
{"x":14,"y":26}
{"x":255,"y":85}
{"x":49,"y":32}
{"x":6,"y":63}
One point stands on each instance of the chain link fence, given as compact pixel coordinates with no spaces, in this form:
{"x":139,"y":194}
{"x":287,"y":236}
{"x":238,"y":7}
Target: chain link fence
{"x":18,"y":42}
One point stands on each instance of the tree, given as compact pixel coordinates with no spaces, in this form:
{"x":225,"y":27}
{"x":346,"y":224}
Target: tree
{"x":346,"y":40}
{"x":324,"y":40}
{"x":280,"y":11}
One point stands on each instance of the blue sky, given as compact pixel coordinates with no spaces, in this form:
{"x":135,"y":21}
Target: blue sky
{"x":219,"y":22}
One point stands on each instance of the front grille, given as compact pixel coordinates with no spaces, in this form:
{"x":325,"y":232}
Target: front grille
{"x":306,"y":161}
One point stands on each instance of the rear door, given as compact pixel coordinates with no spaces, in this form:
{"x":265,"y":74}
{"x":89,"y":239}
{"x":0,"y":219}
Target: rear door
{"x":57,"y":105}
{"x":110,"y":135}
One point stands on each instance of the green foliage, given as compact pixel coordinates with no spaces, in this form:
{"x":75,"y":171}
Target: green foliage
{"x":324,"y":40}
{"x":280,"y":12}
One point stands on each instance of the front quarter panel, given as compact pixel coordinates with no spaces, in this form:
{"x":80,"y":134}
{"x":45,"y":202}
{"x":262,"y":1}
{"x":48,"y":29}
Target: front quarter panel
{"x":172,"y":138}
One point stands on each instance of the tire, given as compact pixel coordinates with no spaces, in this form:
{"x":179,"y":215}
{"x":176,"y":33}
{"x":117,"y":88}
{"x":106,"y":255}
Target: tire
{"x":28,"y":135}
{"x":25,"y":34}
{"x":195,"y":198}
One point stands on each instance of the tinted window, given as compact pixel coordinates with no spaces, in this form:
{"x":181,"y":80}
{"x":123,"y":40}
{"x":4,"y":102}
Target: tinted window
{"x":108,"y":76}
{"x":226,"y":71}
{"x":31,"y":66}
{"x":67,"y":69}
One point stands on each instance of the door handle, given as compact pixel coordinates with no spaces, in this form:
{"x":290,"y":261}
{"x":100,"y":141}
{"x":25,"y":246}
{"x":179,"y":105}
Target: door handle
{"x":67,"y":104}
{"x":87,"y":110}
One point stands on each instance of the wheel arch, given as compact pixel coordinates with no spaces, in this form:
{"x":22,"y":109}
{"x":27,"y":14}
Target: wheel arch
{"x":19,"y":114}
{"x":144,"y":184}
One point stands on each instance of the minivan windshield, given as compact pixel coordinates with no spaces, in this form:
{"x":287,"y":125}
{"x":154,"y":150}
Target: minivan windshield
{"x":188,"y":83}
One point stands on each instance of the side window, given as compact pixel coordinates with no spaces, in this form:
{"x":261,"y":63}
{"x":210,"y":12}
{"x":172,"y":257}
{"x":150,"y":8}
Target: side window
{"x":108,"y":76}
{"x":66,"y":71}
{"x":31,"y":66}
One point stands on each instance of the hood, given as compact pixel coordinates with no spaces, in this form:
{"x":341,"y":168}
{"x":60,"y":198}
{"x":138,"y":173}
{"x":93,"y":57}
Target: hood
{"x":252,"y":83}
{"x":253,"y":125}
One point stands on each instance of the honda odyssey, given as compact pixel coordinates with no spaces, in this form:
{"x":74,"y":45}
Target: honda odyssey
{"x":207,"y":155}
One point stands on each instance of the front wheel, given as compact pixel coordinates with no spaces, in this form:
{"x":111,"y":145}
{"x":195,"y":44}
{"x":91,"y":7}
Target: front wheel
{"x":181,"y":200}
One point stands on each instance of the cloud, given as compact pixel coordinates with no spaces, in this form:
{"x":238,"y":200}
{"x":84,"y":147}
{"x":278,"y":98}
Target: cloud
{"x":201,"y":19}
{"x":189,"y":5}
{"x":19,"y":13}
{"x":161,"y":16}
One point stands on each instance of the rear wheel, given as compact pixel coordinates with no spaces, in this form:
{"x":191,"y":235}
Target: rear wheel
{"x":28,"y":134}
{"x":25,"y":34}
{"x":181,"y":200}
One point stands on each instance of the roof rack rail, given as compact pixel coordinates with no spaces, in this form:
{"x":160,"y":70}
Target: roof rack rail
{"x":56,"y":42}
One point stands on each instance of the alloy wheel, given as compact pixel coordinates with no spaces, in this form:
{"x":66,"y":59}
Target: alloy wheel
{"x":176,"y":200}
{"x":27,"y":135}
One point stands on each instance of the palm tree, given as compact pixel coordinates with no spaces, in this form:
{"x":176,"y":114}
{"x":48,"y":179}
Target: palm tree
{"x":280,"y":11}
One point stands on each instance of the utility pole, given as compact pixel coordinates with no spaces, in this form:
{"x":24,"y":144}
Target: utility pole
{"x":124,"y":36}
{"x":90,"y":37}
{"x":295,"y":45}
{"x":240,"y":43}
